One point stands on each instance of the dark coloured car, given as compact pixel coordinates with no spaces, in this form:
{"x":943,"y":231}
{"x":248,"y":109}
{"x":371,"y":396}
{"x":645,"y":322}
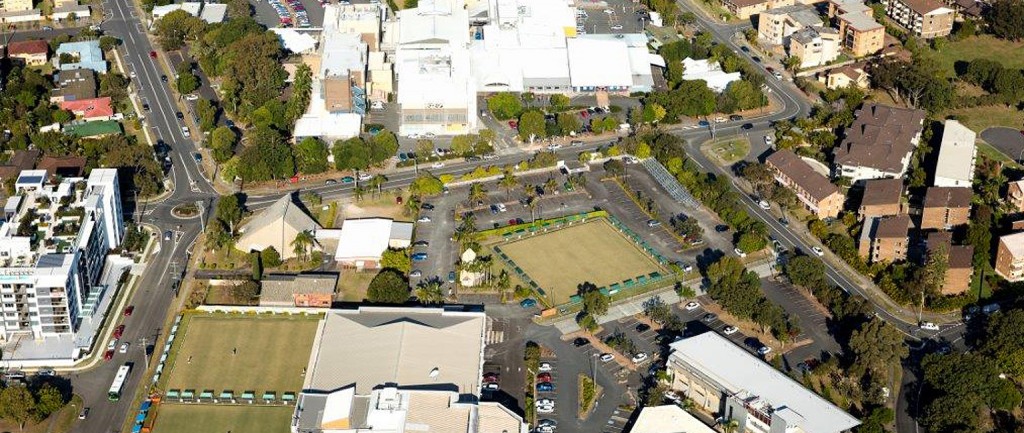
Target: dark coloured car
{"x":735,"y":117}
{"x":745,"y":49}
{"x":643,"y":327}
{"x":528,"y":303}
{"x":427,"y":206}
{"x":580,"y":342}
{"x":179,"y":115}
{"x":129,"y":310}
{"x":544,"y":377}
{"x":748,"y":126}
{"x":163,"y":78}
{"x":145,"y":107}
{"x":710,"y":317}
{"x":118,"y":331}
{"x":545,"y":387}
{"x":757,"y":59}
{"x":704,"y":123}
{"x":419,"y":257}
{"x":348,"y":179}
{"x":721,"y":228}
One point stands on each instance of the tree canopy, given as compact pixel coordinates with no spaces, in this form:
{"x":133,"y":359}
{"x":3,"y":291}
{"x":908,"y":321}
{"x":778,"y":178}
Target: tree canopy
{"x":388,"y":287}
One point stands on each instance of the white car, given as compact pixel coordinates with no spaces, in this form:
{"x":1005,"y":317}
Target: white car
{"x":184,"y":132}
{"x":363,"y":177}
{"x":687,"y":268}
{"x":768,"y":140}
{"x":124,"y":347}
{"x":424,"y":219}
{"x":640,"y":357}
{"x":729,"y":330}
{"x":437,"y":165}
{"x":609,"y":11}
{"x":929,"y":326}
{"x":491,"y":386}
{"x":764,"y":350}
{"x":818,"y":251}
{"x":133,"y":74}
{"x":554,"y":146}
{"x":605,"y":357}
{"x":546,"y":409}
{"x":112,"y":345}
{"x":719,"y":119}
{"x":192,"y":97}
{"x":764,"y":205}
{"x":692,"y":305}
{"x":544,"y":366}
{"x":546,"y":429}
{"x":740,"y":253}
{"x":545,"y":402}
{"x":501,"y":207}
{"x":617,"y":27}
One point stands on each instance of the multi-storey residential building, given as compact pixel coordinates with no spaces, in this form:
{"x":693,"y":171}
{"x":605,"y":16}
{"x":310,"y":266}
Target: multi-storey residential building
{"x":744,"y":9}
{"x":1010,"y":257}
{"x":955,"y":166}
{"x":48,"y":280}
{"x":861,"y":34}
{"x":959,"y":268}
{"x":924,"y":18}
{"x":814,"y":46}
{"x":879,"y":143}
{"x":815,"y":191}
{"x":882,"y":197}
{"x":731,"y":383}
{"x":1015,"y":195}
{"x":775,"y":25}
{"x":885,"y":239}
{"x":946,"y":207}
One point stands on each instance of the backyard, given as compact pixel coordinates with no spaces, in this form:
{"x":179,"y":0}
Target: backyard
{"x":242,"y":353}
{"x":592,"y":252}
{"x":177,"y":418}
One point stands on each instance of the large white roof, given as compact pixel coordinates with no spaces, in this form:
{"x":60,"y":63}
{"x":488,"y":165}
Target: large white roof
{"x":955,"y":166}
{"x":599,"y":63}
{"x":295,"y":41}
{"x":363,"y":238}
{"x":668,"y":419}
{"x":737,"y":371}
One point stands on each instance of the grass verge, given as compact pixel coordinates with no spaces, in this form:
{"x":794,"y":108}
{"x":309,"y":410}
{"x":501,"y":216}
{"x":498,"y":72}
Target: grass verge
{"x":588,"y":392}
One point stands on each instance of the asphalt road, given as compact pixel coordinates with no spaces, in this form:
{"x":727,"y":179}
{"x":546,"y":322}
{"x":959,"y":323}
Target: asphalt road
{"x":1008,"y":140}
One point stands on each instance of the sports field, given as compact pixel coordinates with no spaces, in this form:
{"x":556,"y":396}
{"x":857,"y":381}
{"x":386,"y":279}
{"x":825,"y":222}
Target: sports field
{"x":178,"y":418}
{"x":593,"y":252}
{"x":242,"y":353}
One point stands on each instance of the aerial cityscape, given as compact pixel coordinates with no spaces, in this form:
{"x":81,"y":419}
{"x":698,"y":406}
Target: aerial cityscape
{"x":512,"y":216}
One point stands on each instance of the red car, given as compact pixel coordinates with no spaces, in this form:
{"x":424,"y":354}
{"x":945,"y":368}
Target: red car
{"x":584,"y":114}
{"x":544,"y":377}
{"x":128,"y":311}
{"x":512,"y":222}
{"x":491,"y":378}
{"x":513,"y":124}
{"x":152,"y":54}
{"x":108,"y":355}
{"x":118,"y":331}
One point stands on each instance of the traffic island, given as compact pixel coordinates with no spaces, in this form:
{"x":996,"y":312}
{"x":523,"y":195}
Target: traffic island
{"x":589,"y":391}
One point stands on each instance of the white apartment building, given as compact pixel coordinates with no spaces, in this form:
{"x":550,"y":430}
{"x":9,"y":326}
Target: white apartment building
{"x":47,"y":281}
{"x":957,"y":154}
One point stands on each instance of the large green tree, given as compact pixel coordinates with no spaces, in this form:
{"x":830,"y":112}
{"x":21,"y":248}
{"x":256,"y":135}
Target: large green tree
{"x":310,"y":155}
{"x":388,"y":287}
{"x":176,"y":27}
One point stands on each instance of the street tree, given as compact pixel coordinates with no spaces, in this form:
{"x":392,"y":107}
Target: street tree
{"x":222,"y":144}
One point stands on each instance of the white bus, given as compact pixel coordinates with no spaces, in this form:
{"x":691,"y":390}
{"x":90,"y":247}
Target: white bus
{"x":119,"y":379}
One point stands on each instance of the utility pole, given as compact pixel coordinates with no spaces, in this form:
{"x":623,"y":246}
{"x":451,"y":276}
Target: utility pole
{"x":145,"y":355}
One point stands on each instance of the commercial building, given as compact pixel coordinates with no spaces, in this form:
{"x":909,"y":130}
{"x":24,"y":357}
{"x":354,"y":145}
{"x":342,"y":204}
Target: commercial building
{"x":209,"y":12}
{"x":669,"y":418}
{"x":49,"y":279}
{"x":277,"y":227}
{"x":957,"y":154}
{"x":959,"y":267}
{"x":818,"y":195}
{"x":946,"y":207}
{"x":86,"y":54}
{"x":814,"y":46}
{"x":1010,"y":257}
{"x":710,"y":71}
{"x":733,"y":384}
{"x":363,"y":241}
{"x":314,"y":290}
{"x":1015,"y":195}
{"x":776,"y":25}
{"x":32,"y":53}
{"x":884,"y":239}
{"x":882,"y":197}
{"x":744,"y":9}
{"x":399,"y":369}
{"x":879,"y":143}
{"x":923,"y":18}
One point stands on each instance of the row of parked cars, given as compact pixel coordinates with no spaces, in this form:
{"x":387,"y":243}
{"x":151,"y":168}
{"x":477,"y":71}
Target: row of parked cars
{"x":287,"y":18}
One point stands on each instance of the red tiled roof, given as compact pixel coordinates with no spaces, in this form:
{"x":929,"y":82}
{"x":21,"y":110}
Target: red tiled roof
{"x":801,"y":173}
{"x":90,"y":108}
{"x":37,"y":46}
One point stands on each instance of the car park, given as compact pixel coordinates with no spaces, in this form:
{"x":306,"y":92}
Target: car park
{"x":605,"y":357}
{"x":692,"y":305}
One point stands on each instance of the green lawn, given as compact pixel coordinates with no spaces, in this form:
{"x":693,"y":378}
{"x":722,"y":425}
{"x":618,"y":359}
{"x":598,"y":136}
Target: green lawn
{"x":727,"y":151}
{"x":178,"y":418}
{"x":1010,"y":54}
{"x":241,"y":353}
{"x":591,"y":252}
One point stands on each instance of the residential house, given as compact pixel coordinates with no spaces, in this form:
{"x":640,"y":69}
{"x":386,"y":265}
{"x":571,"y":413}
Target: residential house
{"x":814,"y":46}
{"x":731,"y":383}
{"x":34,"y":52}
{"x":846,"y":76}
{"x":969,"y":9}
{"x":885,"y":239}
{"x":744,"y":9}
{"x":925,"y":19}
{"x":946,"y":207}
{"x":959,"y":267}
{"x":955,"y":166}
{"x":90,"y":109}
{"x":818,"y":195}
{"x":879,"y":143}
{"x":82,"y":55}
{"x":74,"y":85}
{"x":1010,"y":257}
{"x":363,"y":241}
{"x":882,"y":197}
{"x":302,"y":290}
{"x":775,"y":25}
{"x":277,"y":227}
{"x":1015,"y":195}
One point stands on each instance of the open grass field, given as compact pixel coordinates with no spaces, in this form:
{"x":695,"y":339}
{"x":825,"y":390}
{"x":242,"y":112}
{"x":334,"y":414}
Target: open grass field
{"x":241,"y":353}
{"x":727,"y":151}
{"x":1009,"y":53}
{"x":178,"y":418}
{"x":593,"y":252}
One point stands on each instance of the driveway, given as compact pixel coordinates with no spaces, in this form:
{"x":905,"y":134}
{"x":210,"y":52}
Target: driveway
{"x":1009,"y":141}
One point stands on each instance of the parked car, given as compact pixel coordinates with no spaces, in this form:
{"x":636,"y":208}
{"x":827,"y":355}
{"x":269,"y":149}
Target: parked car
{"x":769,"y":140}
{"x":416,"y":273}
{"x":348,"y":179}
{"x":528,"y":303}
{"x":129,"y":310}
{"x":544,"y":377}
{"x":491,"y":386}
{"x":421,"y":243}
{"x":929,"y":326}
{"x":152,"y":54}
{"x":818,"y":251}
{"x":491,"y":377}
{"x":119,"y":331}
{"x":545,"y":402}
{"x":642,"y":327}
{"x":692,"y":305}
{"x":544,"y":366}
{"x":653,"y":223}
{"x":605,"y":357}
{"x":108,"y":355}
{"x":83,"y":414}
{"x":729,"y":330}
{"x":546,"y":409}
{"x":545,"y":387}
{"x":710,"y":317}
{"x":451,"y":277}
{"x":763,"y":204}
{"x":419,"y":257}
{"x":735,"y":117}
{"x":640,"y":357}
{"x":580,"y":342}
{"x":764,"y":350}
{"x":423,"y":219}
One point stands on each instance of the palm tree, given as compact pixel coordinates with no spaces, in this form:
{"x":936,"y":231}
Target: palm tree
{"x":303,"y":240}
{"x":503,"y":284}
{"x":359,"y":191}
{"x":412,"y":205}
{"x":508,"y":181}
{"x":477,"y":192}
{"x":550,"y":185}
{"x":429,"y":292}
{"x":533,"y":209}
{"x":377,"y":182}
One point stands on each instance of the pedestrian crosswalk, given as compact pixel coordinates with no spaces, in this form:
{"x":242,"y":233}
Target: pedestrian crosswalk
{"x":494,"y":337}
